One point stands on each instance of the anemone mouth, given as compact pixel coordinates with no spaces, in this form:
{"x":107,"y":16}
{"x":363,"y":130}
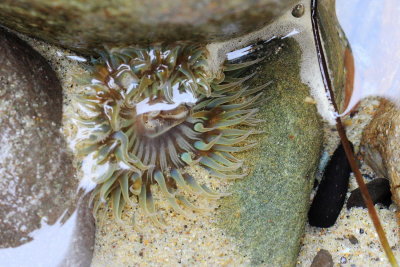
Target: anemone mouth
{"x":151,"y":112}
{"x":158,"y":123}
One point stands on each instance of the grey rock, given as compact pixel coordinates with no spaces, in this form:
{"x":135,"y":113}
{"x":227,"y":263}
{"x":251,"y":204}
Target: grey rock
{"x":31,"y":161}
{"x":37,"y":178}
{"x":84,"y":25}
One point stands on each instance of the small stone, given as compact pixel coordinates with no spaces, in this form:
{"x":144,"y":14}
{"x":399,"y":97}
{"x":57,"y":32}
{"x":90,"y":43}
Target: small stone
{"x":379,"y":190}
{"x":331,"y":193}
{"x":353,"y":239}
{"x":343,"y":260}
{"x":298,"y":11}
{"x":322,"y":259}
{"x":310,"y":100}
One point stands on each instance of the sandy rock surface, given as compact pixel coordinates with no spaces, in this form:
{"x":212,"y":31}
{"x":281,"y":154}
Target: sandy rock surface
{"x":381,"y":145}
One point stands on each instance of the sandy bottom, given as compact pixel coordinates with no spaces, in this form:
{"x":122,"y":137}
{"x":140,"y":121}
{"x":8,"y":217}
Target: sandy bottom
{"x":185,"y":241}
{"x":354,"y":224}
{"x":197,"y":241}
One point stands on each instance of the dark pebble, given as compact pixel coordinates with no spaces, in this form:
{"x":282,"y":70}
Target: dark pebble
{"x":379,"y":189}
{"x":331,"y":193}
{"x":322,"y":259}
{"x":353,"y":239}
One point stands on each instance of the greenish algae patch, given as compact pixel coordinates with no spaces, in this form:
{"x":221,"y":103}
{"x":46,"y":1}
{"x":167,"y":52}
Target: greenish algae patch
{"x":266,"y":212}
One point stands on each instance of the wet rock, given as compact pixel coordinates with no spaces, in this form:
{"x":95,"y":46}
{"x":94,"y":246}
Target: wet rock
{"x":380,"y":145}
{"x":267,"y":210}
{"x":37,"y":185}
{"x":31,"y":104}
{"x":322,"y":259}
{"x":338,"y":52}
{"x":331,"y":193}
{"x":84,"y":25}
{"x":379,"y":189}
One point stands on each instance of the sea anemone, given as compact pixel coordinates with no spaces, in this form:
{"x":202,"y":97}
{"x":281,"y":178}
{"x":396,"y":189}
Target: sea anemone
{"x":148,"y":113}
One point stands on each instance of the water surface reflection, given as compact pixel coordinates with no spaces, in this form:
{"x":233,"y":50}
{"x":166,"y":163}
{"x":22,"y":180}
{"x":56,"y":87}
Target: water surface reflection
{"x":373,"y":30}
{"x":67,"y":242}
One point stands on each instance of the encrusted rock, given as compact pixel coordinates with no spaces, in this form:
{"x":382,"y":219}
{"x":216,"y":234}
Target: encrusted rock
{"x":381,"y":145}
